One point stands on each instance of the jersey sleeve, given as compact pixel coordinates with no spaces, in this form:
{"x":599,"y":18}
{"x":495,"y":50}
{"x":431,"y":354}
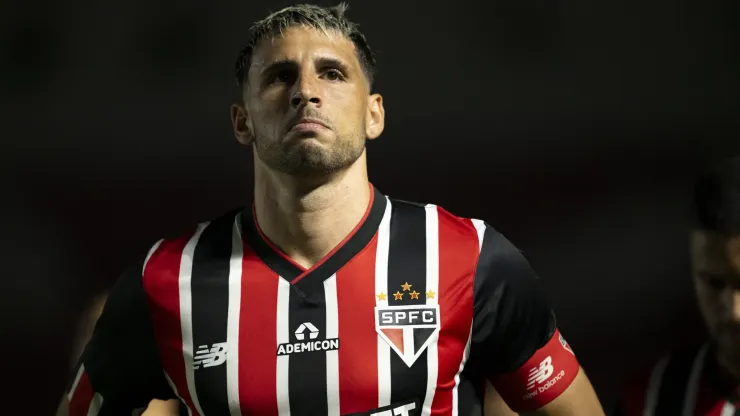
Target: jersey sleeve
{"x":515,"y":340}
{"x":119,"y":370}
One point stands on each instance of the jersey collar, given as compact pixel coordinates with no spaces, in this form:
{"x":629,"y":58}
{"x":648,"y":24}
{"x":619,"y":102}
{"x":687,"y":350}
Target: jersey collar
{"x":308,"y":280}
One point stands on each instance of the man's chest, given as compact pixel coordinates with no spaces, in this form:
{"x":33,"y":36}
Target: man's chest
{"x":251,"y":340}
{"x":385,"y":320}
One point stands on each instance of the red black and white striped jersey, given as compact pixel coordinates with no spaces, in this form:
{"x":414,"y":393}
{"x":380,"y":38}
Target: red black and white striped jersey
{"x":408,"y":316}
{"x":685,"y":383}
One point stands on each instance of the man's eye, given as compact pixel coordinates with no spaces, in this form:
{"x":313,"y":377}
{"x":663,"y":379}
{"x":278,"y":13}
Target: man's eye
{"x":716,"y":282}
{"x":282,"y":76}
{"x":333,"y":75}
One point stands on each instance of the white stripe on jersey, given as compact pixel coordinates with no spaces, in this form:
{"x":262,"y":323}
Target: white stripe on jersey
{"x":71,"y":392}
{"x":149,"y":254}
{"x":480,"y":228}
{"x":97,"y":400}
{"x":728,"y":409}
{"x":692,"y":387}
{"x":432,"y":284}
{"x":186,"y":311}
{"x":232,"y":326}
{"x":381,"y":286}
{"x":332,"y":357}
{"x":283,"y":337}
{"x":653,"y":390}
{"x":95,"y":405}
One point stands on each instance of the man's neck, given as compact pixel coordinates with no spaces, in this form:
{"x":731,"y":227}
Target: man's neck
{"x":307,"y":221}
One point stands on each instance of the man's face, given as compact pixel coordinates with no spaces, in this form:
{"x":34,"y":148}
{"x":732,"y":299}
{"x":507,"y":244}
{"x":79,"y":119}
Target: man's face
{"x":716,"y":267}
{"x":307,"y":107}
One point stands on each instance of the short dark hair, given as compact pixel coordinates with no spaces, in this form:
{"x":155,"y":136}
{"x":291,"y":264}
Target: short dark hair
{"x":324,"y":19}
{"x":716,"y":204}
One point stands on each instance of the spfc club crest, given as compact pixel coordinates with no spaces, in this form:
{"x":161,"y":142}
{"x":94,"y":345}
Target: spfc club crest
{"x":408,"y":329}
{"x":565,"y":344}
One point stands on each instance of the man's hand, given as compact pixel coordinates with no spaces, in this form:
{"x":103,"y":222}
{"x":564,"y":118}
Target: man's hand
{"x":162,"y":408}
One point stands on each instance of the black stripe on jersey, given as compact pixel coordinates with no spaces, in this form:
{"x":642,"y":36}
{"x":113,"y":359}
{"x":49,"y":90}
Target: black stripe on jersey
{"x":674,"y":383}
{"x":126,"y":377}
{"x":307,"y":369}
{"x":210,"y":309}
{"x":471,"y":392}
{"x":407,"y":265}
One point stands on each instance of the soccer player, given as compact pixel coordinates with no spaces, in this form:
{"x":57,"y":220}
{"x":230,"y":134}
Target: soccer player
{"x":704,"y":380}
{"x":326,"y":297}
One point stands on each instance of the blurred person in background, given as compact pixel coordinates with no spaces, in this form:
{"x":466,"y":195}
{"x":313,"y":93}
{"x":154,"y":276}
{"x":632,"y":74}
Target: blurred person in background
{"x":41,"y":293}
{"x":326,"y":296}
{"x":703,"y":380}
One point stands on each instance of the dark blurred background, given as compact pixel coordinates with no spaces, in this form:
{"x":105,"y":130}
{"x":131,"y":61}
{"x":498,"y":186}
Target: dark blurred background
{"x":574,"y":127}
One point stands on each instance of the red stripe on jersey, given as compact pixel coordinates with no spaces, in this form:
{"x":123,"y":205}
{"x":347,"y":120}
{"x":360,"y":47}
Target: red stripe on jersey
{"x":162,"y":285}
{"x":79,"y":403}
{"x":358,"y":355}
{"x":716,"y":410}
{"x":258,"y":336}
{"x":458,"y":257}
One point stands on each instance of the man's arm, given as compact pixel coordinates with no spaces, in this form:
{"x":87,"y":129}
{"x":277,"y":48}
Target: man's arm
{"x":494,"y":404}
{"x":119,"y":370}
{"x":563,"y":404}
{"x":516,"y":341}
{"x":578,"y":399}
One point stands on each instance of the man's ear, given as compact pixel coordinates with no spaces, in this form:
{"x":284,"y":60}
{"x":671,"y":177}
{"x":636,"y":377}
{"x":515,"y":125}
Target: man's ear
{"x":241,"y":124}
{"x":375,"y":117}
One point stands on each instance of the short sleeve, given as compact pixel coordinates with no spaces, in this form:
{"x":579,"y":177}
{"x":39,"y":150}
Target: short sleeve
{"x":515,"y":340}
{"x":119,"y":370}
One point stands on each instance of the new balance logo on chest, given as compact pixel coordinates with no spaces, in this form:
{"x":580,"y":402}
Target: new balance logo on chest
{"x":210,"y":357}
{"x":307,"y":336}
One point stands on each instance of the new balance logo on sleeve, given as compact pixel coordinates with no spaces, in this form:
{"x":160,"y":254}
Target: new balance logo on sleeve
{"x":307,"y":330}
{"x":540,"y":374}
{"x":212,"y":357}
{"x":540,"y":378}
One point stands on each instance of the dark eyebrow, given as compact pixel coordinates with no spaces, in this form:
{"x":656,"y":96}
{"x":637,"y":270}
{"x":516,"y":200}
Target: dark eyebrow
{"x":321,"y":62}
{"x":279,"y":65}
{"x":329,"y":62}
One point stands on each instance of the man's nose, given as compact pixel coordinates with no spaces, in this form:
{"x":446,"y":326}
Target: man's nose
{"x":305,"y":92}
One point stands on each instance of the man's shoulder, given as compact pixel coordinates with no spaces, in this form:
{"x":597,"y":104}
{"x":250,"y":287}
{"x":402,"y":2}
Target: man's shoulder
{"x":448,"y":217}
{"x":496,"y":251}
{"x":175,"y":243}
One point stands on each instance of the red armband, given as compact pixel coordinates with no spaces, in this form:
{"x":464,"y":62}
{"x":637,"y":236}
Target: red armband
{"x":545,"y":376}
